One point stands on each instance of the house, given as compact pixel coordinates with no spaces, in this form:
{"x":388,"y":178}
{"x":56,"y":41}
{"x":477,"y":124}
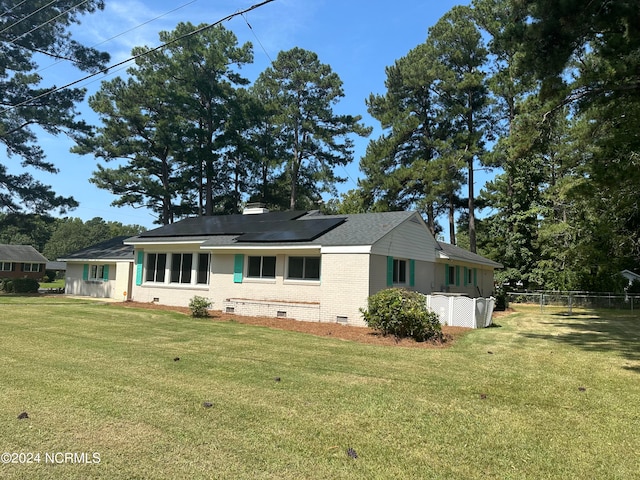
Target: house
{"x":104,"y":270}
{"x":294,"y":264}
{"x":630,"y":277}
{"x":21,"y":261}
{"x":461,"y":271}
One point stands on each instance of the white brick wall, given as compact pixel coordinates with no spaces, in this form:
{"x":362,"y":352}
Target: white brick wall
{"x":345,"y":287}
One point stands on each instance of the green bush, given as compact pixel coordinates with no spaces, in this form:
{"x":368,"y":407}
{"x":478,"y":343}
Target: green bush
{"x":402,"y":313}
{"x":199,"y":306}
{"x":502,"y":302}
{"x":19,"y":285}
{"x":50,"y":275}
{"x":6,"y":285}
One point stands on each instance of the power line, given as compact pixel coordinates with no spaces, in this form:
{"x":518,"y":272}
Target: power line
{"x":30,"y":15}
{"x":135,"y":57}
{"x":256,"y":37}
{"x":47,"y":22}
{"x":13,"y":8}
{"x":121,"y":33}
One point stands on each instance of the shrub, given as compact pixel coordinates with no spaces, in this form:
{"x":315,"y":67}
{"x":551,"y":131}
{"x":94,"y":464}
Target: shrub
{"x":6,"y":285}
{"x":402,"y":313}
{"x":502,"y":302}
{"x":25,"y":285}
{"x":199,"y":306}
{"x":50,"y":275}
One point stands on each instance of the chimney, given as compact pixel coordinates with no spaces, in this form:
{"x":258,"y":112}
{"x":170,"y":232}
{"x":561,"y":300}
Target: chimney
{"x":254,"y":209}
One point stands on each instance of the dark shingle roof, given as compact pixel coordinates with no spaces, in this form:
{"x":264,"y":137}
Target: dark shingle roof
{"x":20,"y":253}
{"x":454,"y":252}
{"x":113,"y":249}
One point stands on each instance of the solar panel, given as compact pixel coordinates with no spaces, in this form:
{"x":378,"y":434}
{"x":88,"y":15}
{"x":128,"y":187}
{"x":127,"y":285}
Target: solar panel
{"x":223,"y":224}
{"x":292,"y":231}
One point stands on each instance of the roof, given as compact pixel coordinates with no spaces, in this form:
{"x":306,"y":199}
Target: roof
{"x":453,"y":252}
{"x":294,"y":229}
{"x":278,"y":229}
{"x":20,"y":253}
{"x":113,"y":249}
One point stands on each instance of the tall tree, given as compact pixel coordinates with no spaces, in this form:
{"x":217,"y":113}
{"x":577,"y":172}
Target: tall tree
{"x":140,"y":126}
{"x":176,"y":122}
{"x":204,"y":68}
{"x":29,"y":31}
{"x":316,"y":140}
{"x":462,"y":92}
{"x":405,"y":167}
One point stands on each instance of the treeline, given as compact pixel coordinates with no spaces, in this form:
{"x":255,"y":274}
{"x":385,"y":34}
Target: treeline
{"x":544,"y":93}
{"x":58,"y":237}
{"x":192,"y":137}
{"x":549,"y":93}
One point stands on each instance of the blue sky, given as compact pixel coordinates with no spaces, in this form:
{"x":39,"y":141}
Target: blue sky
{"x":357,"y":38}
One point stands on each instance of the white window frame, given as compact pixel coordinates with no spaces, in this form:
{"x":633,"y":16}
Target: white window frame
{"x":207,"y":271}
{"x":30,"y":267}
{"x":304,"y":276}
{"x":6,"y":266}
{"x":155,"y":269}
{"x":262,"y":276}
{"x":169,"y":258}
{"x":96,"y":272}
{"x":181,"y":271}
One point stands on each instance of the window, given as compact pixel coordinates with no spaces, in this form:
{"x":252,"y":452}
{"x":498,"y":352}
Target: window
{"x":30,"y":267}
{"x":304,"y":268}
{"x":181,"y":267}
{"x":262,"y":267}
{"x":96,"y":272}
{"x":156,"y":264}
{"x":451,"y":274}
{"x":399,"y":271}
{"x":203,"y":268}
{"x":6,"y":266}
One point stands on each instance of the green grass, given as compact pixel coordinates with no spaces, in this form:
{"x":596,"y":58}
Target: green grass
{"x":58,"y":283}
{"x":101,"y":378}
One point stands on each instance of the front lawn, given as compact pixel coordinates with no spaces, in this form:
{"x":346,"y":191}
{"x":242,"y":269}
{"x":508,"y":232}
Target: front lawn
{"x":144,"y":394}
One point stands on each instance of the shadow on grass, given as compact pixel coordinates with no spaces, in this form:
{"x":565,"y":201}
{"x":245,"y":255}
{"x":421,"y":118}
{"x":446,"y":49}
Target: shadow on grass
{"x":611,"y":331}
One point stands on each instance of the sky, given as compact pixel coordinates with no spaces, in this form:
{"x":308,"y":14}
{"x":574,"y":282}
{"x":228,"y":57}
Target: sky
{"x":357,"y":38}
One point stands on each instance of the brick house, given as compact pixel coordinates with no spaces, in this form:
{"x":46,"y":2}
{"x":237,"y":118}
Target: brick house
{"x":301,"y":265}
{"x":21,"y":261}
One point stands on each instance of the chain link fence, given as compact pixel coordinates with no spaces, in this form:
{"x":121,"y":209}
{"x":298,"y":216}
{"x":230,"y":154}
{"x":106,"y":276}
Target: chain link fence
{"x":571,"y":300}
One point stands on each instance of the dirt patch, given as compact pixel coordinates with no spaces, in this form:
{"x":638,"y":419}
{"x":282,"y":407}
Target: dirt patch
{"x":333,"y":330}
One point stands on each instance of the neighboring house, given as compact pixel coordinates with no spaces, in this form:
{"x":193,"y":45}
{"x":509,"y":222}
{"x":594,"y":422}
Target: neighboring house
{"x":21,"y":261}
{"x":294,"y":264}
{"x":630,"y":276}
{"x":104,"y":270}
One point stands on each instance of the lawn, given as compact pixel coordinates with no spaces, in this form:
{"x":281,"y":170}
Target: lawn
{"x":144,"y":394}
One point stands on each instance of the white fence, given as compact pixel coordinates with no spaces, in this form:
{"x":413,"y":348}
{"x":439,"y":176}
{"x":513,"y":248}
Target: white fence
{"x":459,"y":311}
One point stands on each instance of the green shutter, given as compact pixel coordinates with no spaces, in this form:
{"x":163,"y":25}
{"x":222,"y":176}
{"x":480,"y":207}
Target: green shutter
{"x":412,"y":273}
{"x":389,"y":271}
{"x":139,"y":260}
{"x":457,"y":275}
{"x":85,"y":271}
{"x":475,"y":277}
{"x":447,"y":280}
{"x":238,"y":266}
{"x":466,"y":274}
{"x":105,"y":273}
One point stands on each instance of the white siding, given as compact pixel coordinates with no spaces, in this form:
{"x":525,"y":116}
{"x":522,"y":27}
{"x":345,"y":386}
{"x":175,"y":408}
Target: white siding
{"x":411,"y":240}
{"x":97,"y":288}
